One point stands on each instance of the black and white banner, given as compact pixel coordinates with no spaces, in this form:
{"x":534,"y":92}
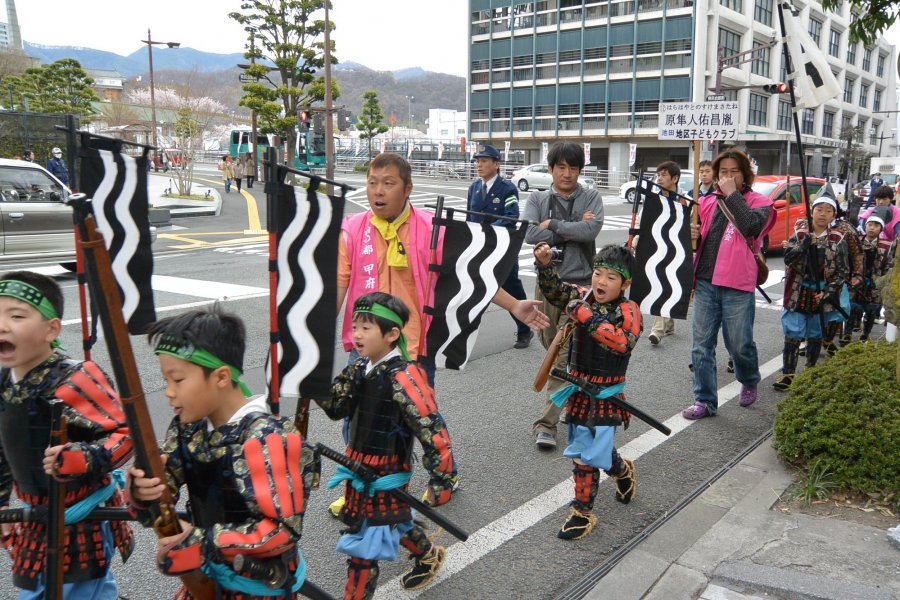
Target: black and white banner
{"x":477,"y":259}
{"x":662,"y":283}
{"x":117,"y":186}
{"x":308,"y":228}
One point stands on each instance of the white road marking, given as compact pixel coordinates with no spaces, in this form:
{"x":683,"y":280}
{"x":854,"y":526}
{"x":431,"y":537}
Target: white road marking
{"x":201,"y":288}
{"x":495,"y":534}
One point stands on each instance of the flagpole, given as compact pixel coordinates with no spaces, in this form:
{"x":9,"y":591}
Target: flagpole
{"x":272,"y":183}
{"x":814,"y":254}
{"x":634,"y":209}
{"x":435,"y":236}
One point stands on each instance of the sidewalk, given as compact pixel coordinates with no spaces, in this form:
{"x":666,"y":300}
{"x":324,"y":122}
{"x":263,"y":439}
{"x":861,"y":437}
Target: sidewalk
{"x":727,"y":544}
{"x":159,"y":183}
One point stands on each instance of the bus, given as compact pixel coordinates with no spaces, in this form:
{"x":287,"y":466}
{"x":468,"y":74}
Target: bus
{"x":310,"y":150}
{"x":239,"y":143}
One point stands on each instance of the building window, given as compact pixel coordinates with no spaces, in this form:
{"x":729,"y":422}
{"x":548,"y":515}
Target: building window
{"x":826,"y":162}
{"x":867,"y":59}
{"x":848,"y":89}
{"x":845,"y":124}
{"x":758,"y":107}
{"x":760,"y":63}
{"x":877,"y":103}
{"x":834,"y":43}
{"x":863,"y":95}
{"x":735,"y":5}
{"x":730,"y":41}
{"x":851,"y":54}
{"x":762,"y":12}
{"x":809,"y":119}
{"x":784,"y":116}
{"x":784,"y":71}
{"x":828,"y":124}
{"x":815,"y":30}
{"x":880,"y":67}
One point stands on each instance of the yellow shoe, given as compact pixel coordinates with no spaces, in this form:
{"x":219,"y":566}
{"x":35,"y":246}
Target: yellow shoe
{"x":335,"y":507}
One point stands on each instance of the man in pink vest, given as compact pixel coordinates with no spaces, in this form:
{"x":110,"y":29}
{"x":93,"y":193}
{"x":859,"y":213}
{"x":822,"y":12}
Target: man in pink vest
{"x":387,"y":249}
{"x":725,"y":279}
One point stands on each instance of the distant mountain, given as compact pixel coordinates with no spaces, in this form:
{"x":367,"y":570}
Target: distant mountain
{"x":216,"y":75}
{"x":409,"y":73}
{"x":137,"y":63}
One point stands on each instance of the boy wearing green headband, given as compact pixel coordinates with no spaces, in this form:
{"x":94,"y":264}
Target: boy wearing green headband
{"x":389,"y":404}
{"x":607,"y":327}
{"x":35,"y":375}
{"x":247,"y":472}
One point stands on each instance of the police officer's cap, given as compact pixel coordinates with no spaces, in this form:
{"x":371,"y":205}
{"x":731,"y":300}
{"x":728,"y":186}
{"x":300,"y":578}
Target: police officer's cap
{"x":487,"y":151}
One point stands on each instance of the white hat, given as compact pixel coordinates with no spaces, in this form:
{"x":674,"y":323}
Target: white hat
{"x":876,"y":219}
{"x":825,"y":200}
{"x":56,"y":151}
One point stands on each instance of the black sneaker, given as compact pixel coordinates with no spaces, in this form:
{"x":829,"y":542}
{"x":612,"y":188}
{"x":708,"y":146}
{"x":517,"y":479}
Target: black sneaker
{"x":577,"y":525}
{"x":424,"y":569}
{"x":730,"y":367}
{"x":523,"y":340}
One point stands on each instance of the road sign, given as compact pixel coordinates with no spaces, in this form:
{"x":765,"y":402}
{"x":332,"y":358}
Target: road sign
{"x":715,"y":97}
{"x":698,"y":121}
{"x":244,"y":78}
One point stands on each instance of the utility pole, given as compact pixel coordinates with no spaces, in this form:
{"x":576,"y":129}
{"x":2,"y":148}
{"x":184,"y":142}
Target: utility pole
{"x":253,"y":130}
{"x":329,"y":124}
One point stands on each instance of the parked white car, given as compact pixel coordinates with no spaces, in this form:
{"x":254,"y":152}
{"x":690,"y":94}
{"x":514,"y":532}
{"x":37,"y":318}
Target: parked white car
{"x":539,"y":178}
{"x":685,"y":185}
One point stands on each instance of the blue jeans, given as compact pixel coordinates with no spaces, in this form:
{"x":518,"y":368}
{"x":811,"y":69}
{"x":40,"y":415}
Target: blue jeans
{"x":732,"y":310}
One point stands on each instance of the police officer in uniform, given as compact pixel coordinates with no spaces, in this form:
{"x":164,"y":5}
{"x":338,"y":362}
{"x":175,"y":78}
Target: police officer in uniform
{"x":492,"y":193}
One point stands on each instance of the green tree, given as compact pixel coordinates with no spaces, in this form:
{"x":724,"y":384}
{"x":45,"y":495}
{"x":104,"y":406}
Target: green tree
{"x":371,"y":118}
{"x":853,"y":156}
{"x":286,"y":44}
{"x":186,"y":129}
{"x":870,"y":17}
{"x":62,"y":87}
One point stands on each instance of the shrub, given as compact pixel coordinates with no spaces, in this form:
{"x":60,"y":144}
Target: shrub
{"x":361,"y":168}
{"x":846,"y":413}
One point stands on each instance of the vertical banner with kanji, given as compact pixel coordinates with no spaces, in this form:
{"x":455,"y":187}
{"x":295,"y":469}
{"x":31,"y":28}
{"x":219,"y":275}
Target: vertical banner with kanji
{"x":587,"y":153}
{"x":506,"y":151}
{"x":545,"y":148}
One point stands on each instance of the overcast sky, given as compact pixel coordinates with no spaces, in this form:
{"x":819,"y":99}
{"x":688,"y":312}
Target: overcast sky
{"x":381,"y":34}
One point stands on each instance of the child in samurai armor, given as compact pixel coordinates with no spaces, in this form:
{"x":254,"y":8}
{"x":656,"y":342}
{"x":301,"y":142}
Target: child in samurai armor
{"x":853,"y":279}
{"x":607,"y":329}
{"x":878,"y":255}
{"x":34,"y":375}
{"x":389,"y":405}
{"x":808,"y":294}
{"x":246,"y":471}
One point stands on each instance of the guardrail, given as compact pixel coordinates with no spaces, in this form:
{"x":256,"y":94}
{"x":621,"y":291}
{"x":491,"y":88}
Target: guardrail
{"x":465,"y":170}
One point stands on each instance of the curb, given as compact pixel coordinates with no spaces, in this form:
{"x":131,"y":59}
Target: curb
{"x":791,"y":584}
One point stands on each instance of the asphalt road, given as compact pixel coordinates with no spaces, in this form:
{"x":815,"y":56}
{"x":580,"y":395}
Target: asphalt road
{"x":513,"y":497}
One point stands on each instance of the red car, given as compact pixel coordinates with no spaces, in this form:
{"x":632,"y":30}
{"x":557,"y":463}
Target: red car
{"x":776,"y":188}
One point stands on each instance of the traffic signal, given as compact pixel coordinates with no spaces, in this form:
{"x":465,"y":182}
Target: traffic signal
{"x":343,"y":119}
{"x":319,"y":123}
{"x":776,"y":88}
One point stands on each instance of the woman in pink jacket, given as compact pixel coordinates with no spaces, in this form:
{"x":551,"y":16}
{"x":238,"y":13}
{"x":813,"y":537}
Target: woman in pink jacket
{"x":724,"y":280}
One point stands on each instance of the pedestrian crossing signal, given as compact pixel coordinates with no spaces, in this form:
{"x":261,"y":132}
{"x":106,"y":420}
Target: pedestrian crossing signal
{"x":775,"y":88}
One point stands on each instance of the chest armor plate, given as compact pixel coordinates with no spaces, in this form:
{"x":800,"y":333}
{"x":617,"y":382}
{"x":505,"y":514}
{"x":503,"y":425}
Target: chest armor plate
{"x":213,"y":488}
{"x":376,"y":424}
{"x":589,"y":357}
{"x":25,"y":434}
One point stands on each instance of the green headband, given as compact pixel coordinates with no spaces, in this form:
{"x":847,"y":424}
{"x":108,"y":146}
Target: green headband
{"x":599,"y":264}
{"x":180,"y":349}
{"x":30,"y":295}
{"x":379,"y":310}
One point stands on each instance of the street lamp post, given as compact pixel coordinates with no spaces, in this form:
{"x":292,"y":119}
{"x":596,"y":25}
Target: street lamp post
{"x":409,"y":100}
{"x":150,"y":43}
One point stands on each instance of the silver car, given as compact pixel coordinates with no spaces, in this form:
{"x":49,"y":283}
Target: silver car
{"x":539,"y":178}
{"x":35,"y":223}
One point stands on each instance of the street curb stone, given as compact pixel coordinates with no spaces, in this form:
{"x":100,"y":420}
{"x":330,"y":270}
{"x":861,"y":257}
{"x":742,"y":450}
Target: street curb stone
{"x":792,"y":584}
